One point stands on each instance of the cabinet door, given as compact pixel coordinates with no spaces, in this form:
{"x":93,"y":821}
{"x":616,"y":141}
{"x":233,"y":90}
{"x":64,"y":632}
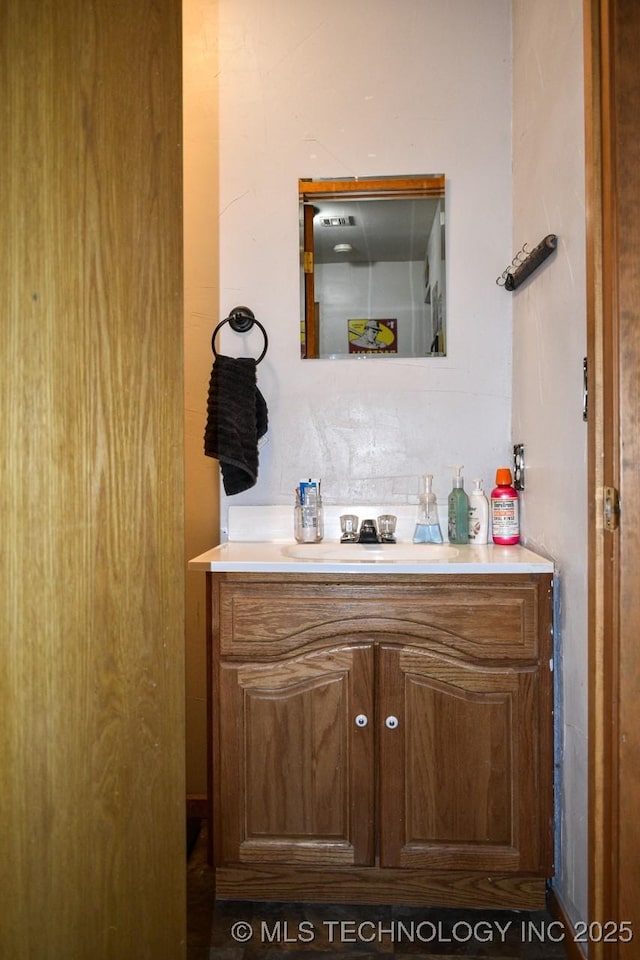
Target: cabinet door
{"x":295,"y":773}
{"x":460,"y":772}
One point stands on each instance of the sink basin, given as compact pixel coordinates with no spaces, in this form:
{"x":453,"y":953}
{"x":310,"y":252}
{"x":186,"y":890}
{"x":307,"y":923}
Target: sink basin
{"x":372,"y":552}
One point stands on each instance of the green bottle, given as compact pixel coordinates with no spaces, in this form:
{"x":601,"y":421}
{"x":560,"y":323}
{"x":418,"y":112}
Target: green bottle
{"x":458,"y":510}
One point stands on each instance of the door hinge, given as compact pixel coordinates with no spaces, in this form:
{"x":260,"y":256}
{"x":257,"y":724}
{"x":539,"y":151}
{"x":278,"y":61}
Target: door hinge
{"x":611,"y":508}
{"x":307,"y":262}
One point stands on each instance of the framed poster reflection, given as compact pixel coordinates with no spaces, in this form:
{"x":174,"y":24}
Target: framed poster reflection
{"x":373,"y":336}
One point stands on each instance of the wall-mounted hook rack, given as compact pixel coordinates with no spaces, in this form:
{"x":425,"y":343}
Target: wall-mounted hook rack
{"x":525,"y":262}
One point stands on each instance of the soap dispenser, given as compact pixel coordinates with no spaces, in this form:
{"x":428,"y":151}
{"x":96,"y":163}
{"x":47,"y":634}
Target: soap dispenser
{"x":427,"y":525}
{"x":478,"y":514}
{"x":458,"y":510}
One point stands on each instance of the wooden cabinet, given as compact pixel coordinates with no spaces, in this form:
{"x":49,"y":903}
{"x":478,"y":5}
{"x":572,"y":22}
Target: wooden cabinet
{"x":460,"y":771}
{"x":297,"y":771}
{"x":382,"y":739}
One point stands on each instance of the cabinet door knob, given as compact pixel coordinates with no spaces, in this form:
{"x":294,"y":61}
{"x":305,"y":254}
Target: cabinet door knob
{"x":362,"y":720}
{"x":391,"y":722}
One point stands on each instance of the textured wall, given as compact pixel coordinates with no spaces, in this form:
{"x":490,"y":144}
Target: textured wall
{"x":363,"y":88}
{"x":549,"y":346}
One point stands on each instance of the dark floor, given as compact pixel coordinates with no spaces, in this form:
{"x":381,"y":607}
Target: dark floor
{"x":234,"y":930}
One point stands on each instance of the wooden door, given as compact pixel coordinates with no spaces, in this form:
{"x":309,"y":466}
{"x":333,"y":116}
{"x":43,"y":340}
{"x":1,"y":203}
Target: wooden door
{"x":91,"y":467}
{"x":612,"y":38}
{"x":295,"y":779}
{"x":461,"y":784}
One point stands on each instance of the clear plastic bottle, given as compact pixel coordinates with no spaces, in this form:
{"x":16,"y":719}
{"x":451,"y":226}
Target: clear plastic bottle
{"x":505,"y":512}
{"x":458,"y":510}
{"x":427,"y":525}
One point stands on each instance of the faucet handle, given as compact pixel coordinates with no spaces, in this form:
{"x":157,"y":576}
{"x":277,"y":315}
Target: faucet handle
{"x":349,"y":528}
{"x":387,"y":527}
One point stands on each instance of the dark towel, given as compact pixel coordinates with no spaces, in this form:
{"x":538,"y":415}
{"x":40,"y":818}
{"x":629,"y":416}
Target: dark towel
{"x":236,"y":419}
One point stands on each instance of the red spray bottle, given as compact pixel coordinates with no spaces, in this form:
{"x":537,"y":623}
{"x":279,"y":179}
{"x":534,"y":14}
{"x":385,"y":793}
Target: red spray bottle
{"x":505,"y":513}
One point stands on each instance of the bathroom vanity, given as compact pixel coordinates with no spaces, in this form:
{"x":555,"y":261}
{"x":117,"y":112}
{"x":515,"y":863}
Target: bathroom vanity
{"x":380,"y":729}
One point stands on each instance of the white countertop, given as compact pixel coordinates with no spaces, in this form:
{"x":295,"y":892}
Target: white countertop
{"x":326,"y":557}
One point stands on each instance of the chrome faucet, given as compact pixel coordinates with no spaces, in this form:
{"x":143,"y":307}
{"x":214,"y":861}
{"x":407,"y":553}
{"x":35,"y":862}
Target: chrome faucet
{"x":382,"y":531}
{"x":368,"y":532}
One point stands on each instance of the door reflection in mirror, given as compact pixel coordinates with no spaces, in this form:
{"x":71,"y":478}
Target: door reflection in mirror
{"x":373,"y":267}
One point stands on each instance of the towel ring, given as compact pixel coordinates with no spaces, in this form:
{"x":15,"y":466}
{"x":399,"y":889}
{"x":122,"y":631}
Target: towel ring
{"x":241,"y":319}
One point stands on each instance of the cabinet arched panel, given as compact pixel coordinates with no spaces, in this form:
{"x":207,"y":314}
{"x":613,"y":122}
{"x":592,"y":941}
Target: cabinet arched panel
{"x":446,"y":727}
{"x":461,"y":770}
{"x":296,"y":773}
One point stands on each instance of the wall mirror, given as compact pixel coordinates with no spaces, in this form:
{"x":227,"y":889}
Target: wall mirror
{"x":372,"y":278}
